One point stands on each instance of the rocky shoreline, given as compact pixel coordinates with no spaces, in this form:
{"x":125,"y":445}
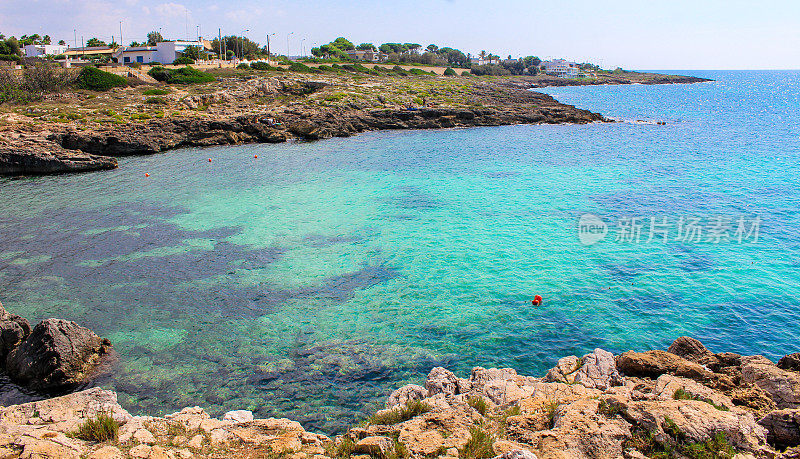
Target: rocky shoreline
{"x":44,"y":140}
{"x":683,"y":402}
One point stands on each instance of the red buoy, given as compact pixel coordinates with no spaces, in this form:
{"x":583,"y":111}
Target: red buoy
{"x":146,"y":175}
{"x":209,"y":159}
{"x":256,"y":156}
{"x":537,"y":300}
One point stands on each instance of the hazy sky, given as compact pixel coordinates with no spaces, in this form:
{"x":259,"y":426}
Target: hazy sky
{"x":633,"y":34}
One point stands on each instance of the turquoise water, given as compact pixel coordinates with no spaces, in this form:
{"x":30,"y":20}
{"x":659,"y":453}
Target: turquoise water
{"x":310,"y":281}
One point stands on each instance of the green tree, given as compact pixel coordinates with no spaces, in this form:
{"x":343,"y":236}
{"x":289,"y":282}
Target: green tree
{"x":366,"y":47}
{"x":432,"y":48}
{"x":412,"y":47}
{"x":343,"y":44}
{"x":46,"y":40}
{"x":62,"y":43}
{"x":192,"y":52}
{"x":95,"y":42}
{"x":153,"y":38}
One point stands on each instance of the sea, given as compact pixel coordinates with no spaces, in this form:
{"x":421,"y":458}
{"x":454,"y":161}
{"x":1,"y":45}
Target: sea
{"x":309,"y":279}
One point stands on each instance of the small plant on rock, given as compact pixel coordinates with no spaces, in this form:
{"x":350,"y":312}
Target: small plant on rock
{"x":479,"y":404}
{"x":479,"y":446}
{"x":100,"y":429}
{"x":550,"y":411}
{"x":608,"y":410}
{"x":395,"y":416}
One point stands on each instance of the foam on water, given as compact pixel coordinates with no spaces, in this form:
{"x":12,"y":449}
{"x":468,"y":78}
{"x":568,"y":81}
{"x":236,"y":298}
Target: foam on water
{"x":311,"y":281}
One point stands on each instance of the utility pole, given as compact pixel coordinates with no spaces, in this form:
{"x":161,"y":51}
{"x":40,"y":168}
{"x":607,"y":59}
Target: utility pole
{"x":121,"y":41}
{"x":287,"y":45}
{"x":302,"y":47}
{"x":219,"y":44}
{"x":75,"y":31}
{"x":186,"y":24}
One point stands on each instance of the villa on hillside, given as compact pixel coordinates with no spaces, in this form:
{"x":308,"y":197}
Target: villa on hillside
{"x":365,"y":55}
{"x":44,"y":50}
{"x":561,"y":68}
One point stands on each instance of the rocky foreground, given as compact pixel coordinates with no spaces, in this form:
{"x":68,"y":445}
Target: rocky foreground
{"x":683,"y":402}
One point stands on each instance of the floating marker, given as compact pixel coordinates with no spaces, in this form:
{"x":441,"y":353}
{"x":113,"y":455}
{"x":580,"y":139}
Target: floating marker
{"x":537,"y":300}
{"x":146,"y":175}
{"x":209,"y":159}
{"x":256,"y":156}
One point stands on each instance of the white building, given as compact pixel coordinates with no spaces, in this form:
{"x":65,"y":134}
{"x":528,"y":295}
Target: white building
{"x":137,"y":54}
{"x":44,"y":50}
{"x":561,"y":68}
{"x":168,"y":51}
{"x":365,"y":55}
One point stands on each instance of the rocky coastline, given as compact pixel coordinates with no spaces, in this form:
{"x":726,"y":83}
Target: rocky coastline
{"x":683,"y":402}
{"x":76,"y":132}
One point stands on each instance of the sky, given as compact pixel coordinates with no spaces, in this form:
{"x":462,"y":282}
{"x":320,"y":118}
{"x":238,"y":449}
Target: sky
{"x":632,"y":34}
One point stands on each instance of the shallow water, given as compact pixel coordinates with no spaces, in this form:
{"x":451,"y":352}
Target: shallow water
{"x":312,"y":280}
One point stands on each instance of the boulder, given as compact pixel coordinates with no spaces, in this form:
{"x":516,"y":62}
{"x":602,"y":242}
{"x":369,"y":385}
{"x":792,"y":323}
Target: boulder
{"x":376,"y":446}
{"x":782,"y":386}
{"x":691,"y":349}
{"x":599,"y":371}
{"x":652,"y":364}
{"x":57,"y":354}
{"x":694,"y":421}
{"x":238,"y":416}
{"x":13,"y":330}
{"x":790,"y":362}
{"x":564,"y":371}
{"x":406,"y":394}
{"x":783,"y":427}
{"x":667,"y":386}
{"x":517,"y":454}
{"x":441,"y":381}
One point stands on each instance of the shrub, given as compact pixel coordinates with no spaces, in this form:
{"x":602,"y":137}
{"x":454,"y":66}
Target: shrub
{"x":326,"y":68}
{"x":154,"y":63}
{"x":59,"y":57}
{"x":102,"y":428}
{"x":135,"y":65}
{"x":155,"y":92}
{"x":262,"y":66}
{"x":97,"y":80}
{"x":395,"y":416}
{"x":479,"y":446}
{"x":343,"y":450}
{"x":465,"y":73}
{"x":183,"y":60}
{"x":10,"y":58}
{"x":243,"y":66}
{"x":715,"y":447}
{"x":550,"y":411}
{"x":184,"y":75}
{"x":302,"y":68}
{"x":156,"y":100}
{"x":479,"y":404}
{"x":449,"y":72}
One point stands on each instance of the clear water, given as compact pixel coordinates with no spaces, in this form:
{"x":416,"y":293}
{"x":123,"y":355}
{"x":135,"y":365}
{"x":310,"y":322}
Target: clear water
{"x":310,"y":281}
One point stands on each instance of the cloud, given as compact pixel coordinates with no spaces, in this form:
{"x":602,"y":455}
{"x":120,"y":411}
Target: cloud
{"x":169,"y":10}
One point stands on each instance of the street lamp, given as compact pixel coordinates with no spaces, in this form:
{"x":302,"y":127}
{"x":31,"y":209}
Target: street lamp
{"x":287,"y":45}
{"x":269,"y":56}
{"x":302,"y":49}
{"x":241,"y":48}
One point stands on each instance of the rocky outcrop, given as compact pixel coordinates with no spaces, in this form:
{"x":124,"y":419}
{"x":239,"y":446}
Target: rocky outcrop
{"x":39,"y":156}
{"x":13,"y":330}
{"x":58,"y":353}
{"x":783,"y":427}
{"x":782,"y":386}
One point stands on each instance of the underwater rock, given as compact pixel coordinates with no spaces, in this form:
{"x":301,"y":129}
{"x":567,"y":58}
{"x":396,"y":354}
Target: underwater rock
{"x":57,"y":354}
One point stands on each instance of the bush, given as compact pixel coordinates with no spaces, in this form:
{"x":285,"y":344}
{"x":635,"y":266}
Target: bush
{"x":261,"y":66}
{"x":302,"y":68}
{"x":154,"y":63}
{"x":465,"y":73}
{"x":243,"y":66}
{"x":155,"y":92}
{"x":156,"y":100}
{"x":183,"y":60}
{"x":479,"y":404}
{"x":34,"y":82}
{"x":10,"y":58}
{"x":420,"y":72}
{"x":449,"y":72}
{"x":184,"y":75}
{"x":59,"y":57}
{"x":97,"y":80}
{"x":102,"y":428}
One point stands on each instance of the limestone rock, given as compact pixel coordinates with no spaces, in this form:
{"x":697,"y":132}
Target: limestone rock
{"x":58,"y":353}
{"x":783,"y":427}
{"x":106,"y":452}
{"x":599,"y":370}
{"x":564,"y":371}
{"x":238,"y":416}
{"x":652,"y":364}
{"x":374,"y":446}
{"x":782,"y":386}
{"x":668,"y":385}
{"x":517,"y":454}
{"x":441,"y":381}
{"x":405,"y":394}
{"x":13,"y":330}
{"x":790,"y":362}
